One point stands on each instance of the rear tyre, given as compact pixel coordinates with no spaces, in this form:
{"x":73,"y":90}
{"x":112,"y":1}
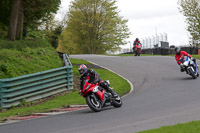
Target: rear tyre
{"x":93,"y":103}
{"x":192,"y":73}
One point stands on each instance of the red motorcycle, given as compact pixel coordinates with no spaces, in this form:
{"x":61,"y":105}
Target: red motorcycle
{"x":138,"y":48}
{"x":97,"y":97}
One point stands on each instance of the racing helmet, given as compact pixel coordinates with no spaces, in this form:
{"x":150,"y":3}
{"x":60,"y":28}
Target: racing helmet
{"x":177,"y":50}
{"x":82,"y":69}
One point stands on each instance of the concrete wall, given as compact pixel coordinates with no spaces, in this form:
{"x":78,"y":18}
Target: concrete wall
{"x":166,"y":51}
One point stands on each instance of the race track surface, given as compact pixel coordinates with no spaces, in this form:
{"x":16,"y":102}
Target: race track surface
{"x":162,"y":96}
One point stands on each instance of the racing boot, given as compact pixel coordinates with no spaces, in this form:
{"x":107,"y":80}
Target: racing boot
{"x":112,"y":92}
{"x":106,"y":86}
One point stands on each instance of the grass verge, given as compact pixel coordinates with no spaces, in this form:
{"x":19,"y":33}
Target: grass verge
{"x":120,"y":85}
{"x":190,"y":127}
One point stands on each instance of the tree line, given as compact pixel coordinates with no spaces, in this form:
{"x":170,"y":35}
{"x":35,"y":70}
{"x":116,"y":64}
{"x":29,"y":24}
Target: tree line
{"x":94,"y":27}
{"x":89,"y":27}
{"x":18,"y":15}
{"x":191,"y":10}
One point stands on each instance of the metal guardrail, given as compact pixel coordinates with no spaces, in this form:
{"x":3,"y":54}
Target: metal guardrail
{"x":66,"y":60}
{"x":35,"y":86}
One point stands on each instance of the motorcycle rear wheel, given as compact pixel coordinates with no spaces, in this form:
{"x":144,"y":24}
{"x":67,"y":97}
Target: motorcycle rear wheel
{"x":95,"y":105}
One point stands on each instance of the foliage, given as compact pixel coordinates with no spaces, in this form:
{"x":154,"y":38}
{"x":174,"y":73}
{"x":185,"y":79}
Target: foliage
{"x":52,"y":29}
{"x":3,"y":30}
{"x":21,"y":44}
{"x":5,"y":10}
{"x":23,"y":102}
{"x":19,"y":15}
{"x":39,"y":10}
{"x":191,"y":10}
{"x":94,"y":26}
{"x":24,"y":57}
{"x":35,"y":35}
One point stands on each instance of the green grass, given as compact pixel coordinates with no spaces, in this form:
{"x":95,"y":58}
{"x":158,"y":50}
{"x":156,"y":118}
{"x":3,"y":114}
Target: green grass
{"x":196,"y":56}
{"x":190,"y":127}
{"x":119,"y":84}
{"x":25,"y":57}
{"x":78,"y":61}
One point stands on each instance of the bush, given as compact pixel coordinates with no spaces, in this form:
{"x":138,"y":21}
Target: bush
{"x":32,"y":35}
{"x":3,"y":31}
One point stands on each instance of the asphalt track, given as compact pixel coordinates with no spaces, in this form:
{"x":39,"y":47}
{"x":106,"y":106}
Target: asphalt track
{"x":162,"y":96}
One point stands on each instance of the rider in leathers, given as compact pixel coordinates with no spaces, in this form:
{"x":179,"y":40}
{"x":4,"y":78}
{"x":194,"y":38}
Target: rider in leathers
{"x":136,"y":42}
{"x":181,"y":55}
{"x":93,"y":77}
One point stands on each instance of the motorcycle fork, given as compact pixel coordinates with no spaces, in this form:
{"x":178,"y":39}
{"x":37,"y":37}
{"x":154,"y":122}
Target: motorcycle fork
{"x":94,"y":96}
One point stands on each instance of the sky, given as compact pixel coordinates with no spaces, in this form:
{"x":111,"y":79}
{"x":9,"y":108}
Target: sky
{"x":146,"y":18}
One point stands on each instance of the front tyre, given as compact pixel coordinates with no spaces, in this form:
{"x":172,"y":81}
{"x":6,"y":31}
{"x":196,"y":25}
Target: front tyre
{"x":117,"y":101}
{"x":192,"y":73}
{"x":93,"y":103}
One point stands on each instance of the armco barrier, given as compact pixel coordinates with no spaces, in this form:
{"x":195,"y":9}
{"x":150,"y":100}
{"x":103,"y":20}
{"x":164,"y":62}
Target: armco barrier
{"x":35,"y":86}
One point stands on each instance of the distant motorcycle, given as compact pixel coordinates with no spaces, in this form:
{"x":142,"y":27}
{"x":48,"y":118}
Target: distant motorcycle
{"x":137,"y":49}
{"x":190,"y":67}
{"x":97,"y":97}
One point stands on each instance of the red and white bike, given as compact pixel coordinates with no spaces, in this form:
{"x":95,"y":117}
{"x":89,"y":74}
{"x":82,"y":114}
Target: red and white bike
{"x":138,"y":48}
{"x":97,"y":97}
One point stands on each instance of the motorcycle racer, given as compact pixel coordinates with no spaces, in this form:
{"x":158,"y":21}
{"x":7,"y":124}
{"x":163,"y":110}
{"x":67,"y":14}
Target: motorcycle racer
{"x":93,"y":77}
{"x":136,"y":42}
{"x":180,"y":55}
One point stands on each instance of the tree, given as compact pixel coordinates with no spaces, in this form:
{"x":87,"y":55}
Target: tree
{"x":94,"y":26}
{"x":52,"y":30}
{"x":191,"y":10}
{"x":28,"y":13}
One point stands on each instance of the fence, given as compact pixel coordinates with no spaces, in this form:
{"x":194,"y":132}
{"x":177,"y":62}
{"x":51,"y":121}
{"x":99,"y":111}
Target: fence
{"x":166,"y":51}
{"x":35,"y":86}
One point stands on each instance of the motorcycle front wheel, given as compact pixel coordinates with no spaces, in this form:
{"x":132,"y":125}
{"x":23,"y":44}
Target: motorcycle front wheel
{"x":192,"y":73}
{"x":93,"y":103}
{"x":117,"y":102}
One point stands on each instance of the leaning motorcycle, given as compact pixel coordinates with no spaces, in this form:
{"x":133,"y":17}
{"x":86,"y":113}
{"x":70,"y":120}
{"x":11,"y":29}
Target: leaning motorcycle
{"x":97,"y":97}
{"x":190,"y":67}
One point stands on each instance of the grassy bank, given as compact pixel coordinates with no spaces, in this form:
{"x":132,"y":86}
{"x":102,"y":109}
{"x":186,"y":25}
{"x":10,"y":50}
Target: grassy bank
{"x":190,"y":127}
{"x":119,"y":84}
{"x":26,"y":57}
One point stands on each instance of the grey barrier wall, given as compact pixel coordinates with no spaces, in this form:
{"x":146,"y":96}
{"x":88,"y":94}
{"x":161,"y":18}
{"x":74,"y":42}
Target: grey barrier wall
{"x":166,"y":51}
